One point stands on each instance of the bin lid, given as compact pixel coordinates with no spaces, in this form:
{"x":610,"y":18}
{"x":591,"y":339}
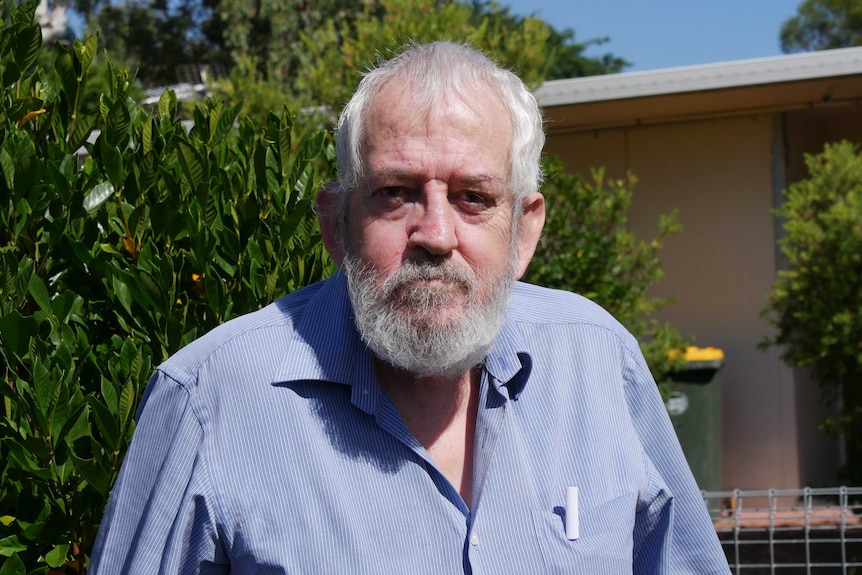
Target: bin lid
{"x":700,"y":358}
{"x":694,"y":353}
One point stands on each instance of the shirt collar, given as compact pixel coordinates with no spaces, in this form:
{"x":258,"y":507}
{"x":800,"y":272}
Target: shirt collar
{"x":326,"y":346}
{"x":509,"y":363}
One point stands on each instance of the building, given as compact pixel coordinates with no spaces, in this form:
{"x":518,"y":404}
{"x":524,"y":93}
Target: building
{"x":720,"y":142}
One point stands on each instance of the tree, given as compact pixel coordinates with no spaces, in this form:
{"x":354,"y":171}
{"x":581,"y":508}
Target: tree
{"x":268,"y":31}
{"x":155,"y":36}
{"x":153,"y":39}
{"x":586,"y":247}
{"x":339,"y":50}
{"x":816,"y":304}
{"x":823,"y":25}
{"x":564,"y":53}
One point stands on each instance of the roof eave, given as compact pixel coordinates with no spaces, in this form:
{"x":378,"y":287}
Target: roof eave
{"x":723,"y":75}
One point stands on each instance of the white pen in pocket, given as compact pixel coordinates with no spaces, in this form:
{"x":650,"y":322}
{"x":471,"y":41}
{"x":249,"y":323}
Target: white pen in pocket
{"x":573,"y":529}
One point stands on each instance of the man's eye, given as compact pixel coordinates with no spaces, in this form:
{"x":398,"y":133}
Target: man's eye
{"x":393,"y":194}
{"x":476,"y":201}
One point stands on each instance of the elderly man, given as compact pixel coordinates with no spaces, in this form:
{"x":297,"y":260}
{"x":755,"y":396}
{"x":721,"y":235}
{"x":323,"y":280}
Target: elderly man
{"x":421,"y":411}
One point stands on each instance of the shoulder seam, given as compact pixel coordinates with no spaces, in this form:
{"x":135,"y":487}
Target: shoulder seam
{"x":191,"y":376}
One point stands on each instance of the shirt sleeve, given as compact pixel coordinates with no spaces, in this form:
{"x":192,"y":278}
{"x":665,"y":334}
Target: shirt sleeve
{"x":673,"y":530}
{"x":160,"y":517}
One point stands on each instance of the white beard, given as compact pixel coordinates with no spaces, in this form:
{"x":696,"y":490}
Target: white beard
{"x":408,"y":320}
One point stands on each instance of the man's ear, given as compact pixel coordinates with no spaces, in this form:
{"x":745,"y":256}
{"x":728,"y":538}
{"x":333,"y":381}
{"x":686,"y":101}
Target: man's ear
{"x":530,"y":229}
{"x":326,"y":205}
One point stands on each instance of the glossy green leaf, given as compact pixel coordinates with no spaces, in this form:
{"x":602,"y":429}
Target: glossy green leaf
{"x":8,"y":167}
{"x":39,"y":291}
{"x":168,"y":103}
{"x":117,"y":124}
{"x":60,"y":408}
{"x":10,"y":545}
{"x":77,"y":423}
{"x":93,"y":472}
{"x":147,"y":135}
{"x":65,"y":66}
{"x":191,"y":162}
{"x":82,"y":128}
{"x":112,"y":162}
{"x":284,"y":142}
{"x":98,"y":195}
{"x":13,"y":566}
{"x":225,"y":123}
{"x":56,"y":557}
{"x":149,"y":171}
{"x":26,"y":46}
{"x":87,"y":51}
{"x":127,"y":354}
{"x":27,"y":459}
{"x":109,"y":394}
{"x":154,"y":292}
{"x":106,"y":421}
{"x":123,"y":294}
{"x":104,"y":106}
{"x":139,"y":368}
{"x":16,"y":331}
{"x":127,"y":403}
{"x":43,"y":385}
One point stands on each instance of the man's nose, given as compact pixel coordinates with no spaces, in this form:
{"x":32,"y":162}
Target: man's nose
{"x":433,"y":225}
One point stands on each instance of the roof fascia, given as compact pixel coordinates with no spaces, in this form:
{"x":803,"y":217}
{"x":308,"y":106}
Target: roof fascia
{"x":723,"y":75}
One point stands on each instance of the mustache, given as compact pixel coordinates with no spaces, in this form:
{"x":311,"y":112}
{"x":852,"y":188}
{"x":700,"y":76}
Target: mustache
{"x":412,"y":272}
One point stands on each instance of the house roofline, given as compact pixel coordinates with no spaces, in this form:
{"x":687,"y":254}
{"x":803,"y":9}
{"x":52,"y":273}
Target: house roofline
{"x":722,"y":75}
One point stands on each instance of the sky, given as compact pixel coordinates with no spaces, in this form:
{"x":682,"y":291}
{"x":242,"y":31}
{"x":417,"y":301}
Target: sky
{"x":653,"y":34}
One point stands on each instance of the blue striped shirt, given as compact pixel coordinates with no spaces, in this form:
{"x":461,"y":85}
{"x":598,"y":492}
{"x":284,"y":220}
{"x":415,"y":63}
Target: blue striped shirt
{"x":268,"y":447}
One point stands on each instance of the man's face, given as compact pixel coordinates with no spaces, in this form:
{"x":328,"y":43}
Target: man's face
{"x":428,"y":247}
{"x":436,"y":189}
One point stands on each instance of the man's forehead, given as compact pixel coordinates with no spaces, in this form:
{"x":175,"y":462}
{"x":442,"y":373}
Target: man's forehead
{"x":399,"y":98}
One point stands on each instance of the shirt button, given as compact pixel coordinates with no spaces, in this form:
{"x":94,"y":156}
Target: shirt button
{"x":474,"y":540}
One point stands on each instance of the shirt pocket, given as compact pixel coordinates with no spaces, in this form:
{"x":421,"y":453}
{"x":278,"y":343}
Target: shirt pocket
{"x":605,"y":540}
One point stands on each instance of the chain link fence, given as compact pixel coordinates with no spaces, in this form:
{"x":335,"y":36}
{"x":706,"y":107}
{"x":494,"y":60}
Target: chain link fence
{"x":789,"y":531}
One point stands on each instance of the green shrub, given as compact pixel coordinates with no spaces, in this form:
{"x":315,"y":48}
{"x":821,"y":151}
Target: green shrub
{"x":587,"y":248}
{"x":816,"y":304}
{"x":114,"y":258}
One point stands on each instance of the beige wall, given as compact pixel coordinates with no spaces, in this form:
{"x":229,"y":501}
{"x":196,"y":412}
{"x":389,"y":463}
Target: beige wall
{"x":718,"y":173}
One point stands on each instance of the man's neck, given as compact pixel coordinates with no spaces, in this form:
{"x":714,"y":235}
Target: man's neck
{"x":441,"y":414}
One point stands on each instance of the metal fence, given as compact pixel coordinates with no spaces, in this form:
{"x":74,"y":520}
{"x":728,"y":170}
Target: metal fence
{"x":790,"y":531}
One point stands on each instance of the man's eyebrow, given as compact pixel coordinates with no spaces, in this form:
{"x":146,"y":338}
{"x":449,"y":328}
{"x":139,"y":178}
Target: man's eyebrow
{"x":391,"y":174}
{"x":403,"y":175}
{"x":476,"y":180}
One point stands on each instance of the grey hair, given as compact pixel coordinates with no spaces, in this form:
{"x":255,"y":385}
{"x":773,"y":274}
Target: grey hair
{"x":432,"y":72}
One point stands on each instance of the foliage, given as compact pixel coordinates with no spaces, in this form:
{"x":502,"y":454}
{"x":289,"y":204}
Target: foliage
{"x":567,"y":59}
{"x":816,"y":304}
{"x":268,"y":31}
{"x":587,"y":248}
{"x":563,"y":52}
{"x":340,"y":49}
{"x":154,"y":37}
{"x":823,"y":25}
{"x":259,"y":94}
{"x":96,"y":82}
{"x":111,"y":260}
